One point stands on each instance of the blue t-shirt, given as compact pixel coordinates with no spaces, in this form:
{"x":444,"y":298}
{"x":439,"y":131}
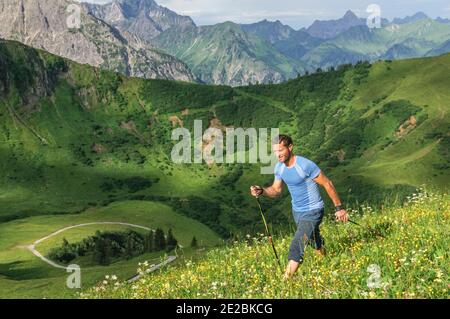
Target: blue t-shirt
{"x":304,"y":190}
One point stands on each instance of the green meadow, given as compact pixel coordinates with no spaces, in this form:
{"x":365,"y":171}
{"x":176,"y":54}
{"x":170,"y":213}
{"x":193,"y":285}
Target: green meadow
{"x":81,"y":145}
{"x":24,"y":275}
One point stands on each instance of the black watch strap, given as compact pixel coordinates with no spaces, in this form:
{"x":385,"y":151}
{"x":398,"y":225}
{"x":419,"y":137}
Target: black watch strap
{"x":339,"y":207}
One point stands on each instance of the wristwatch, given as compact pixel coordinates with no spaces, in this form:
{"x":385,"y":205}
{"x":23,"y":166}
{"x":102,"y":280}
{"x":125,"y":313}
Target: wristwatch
{"x":339,"y":207}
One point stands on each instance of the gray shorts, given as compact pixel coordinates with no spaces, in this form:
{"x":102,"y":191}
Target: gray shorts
{"x":307,"y":233}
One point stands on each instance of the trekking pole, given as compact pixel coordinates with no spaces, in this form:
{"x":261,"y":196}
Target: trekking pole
{"x":370,"y":229}
{"x":351,"y":221}
{"x":268,"y":233}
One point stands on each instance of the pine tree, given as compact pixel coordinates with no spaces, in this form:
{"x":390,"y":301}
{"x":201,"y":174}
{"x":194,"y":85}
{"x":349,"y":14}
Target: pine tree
{"x":65,"y":243}
{"x":102,"y":251}
{"x":97,"y":254}
{"x":160,"y":240}
{"x":150,"y":242}
{"x":129,"y":248}
{"x":194,"y":243}
{"x":107,"y":252}
{"x":172,"y":243}
{"x":67,"y":254}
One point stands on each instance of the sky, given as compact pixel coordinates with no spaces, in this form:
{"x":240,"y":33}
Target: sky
{"x":296,"y":13}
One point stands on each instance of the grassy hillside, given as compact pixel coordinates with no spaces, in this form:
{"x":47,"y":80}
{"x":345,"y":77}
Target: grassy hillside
{"x":75,"y":137}
{"x":24,"y":275}
{"x":77,"y":141}
{"x":411,"y":260}
{"x":384,"y":124}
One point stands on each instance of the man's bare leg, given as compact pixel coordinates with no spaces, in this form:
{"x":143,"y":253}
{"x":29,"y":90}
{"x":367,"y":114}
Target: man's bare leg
{"x":291,"y":269}
{"x":293,"y":265}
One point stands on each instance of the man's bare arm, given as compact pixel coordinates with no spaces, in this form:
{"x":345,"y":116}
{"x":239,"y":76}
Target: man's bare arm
{"x":274,"y":190}
{"x":324,"y":181}
{"x":271,"y":191}
{"x":329,"y":187}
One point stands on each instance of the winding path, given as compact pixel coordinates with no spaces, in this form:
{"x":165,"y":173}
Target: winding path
{"x":155,"y":267}
{"x":35,"y":252}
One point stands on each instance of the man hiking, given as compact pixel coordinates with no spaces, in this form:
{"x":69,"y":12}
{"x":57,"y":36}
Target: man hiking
{"x":302,"y":178}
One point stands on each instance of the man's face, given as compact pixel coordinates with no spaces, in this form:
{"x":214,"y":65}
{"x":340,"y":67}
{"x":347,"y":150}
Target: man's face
{"x":282,"y":152}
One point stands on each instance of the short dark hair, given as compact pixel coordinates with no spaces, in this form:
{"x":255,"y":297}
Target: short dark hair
{"x":282,"y":138}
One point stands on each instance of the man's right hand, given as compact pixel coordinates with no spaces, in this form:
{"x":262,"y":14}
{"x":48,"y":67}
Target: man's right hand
{"x":256,"y":190}
{"x":342,"y":216}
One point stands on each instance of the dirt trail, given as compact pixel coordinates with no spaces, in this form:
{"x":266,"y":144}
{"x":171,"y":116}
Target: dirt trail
{"x":35,"y":252}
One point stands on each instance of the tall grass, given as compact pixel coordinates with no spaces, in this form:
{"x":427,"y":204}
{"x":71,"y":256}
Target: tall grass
{"x":410,"y":261}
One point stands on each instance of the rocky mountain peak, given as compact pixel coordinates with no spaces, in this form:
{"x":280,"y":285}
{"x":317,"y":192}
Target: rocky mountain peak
{"x":331,"y":28}
{"x":43,"y":24}
{"x":144,"y":18}
{"x":350,"y":15}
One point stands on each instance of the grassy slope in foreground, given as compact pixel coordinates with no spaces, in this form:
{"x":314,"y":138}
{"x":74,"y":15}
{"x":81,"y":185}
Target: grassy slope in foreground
{"x":413,"y":260}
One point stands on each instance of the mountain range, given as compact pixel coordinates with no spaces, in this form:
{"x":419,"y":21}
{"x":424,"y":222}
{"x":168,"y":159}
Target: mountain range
{"x":225,"y":54}
{"x":332,"y":28}
{"x":144,"y":18}
{"x":266,"y":51}
{"x":43,"y":24}
{"x":143,"y":39}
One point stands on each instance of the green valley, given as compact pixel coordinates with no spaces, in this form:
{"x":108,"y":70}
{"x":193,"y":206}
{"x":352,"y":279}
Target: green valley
{"x":82,"y":145}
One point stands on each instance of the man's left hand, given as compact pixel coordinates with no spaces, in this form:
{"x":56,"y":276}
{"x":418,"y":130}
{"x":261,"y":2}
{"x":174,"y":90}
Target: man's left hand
{"x":342,"y":216}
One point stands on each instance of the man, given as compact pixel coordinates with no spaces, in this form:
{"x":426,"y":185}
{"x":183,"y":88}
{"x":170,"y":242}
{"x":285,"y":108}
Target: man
{"x":302,"y":178}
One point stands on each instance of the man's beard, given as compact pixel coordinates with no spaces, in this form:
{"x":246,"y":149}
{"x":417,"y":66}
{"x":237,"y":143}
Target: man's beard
{"x":286,"y":162}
